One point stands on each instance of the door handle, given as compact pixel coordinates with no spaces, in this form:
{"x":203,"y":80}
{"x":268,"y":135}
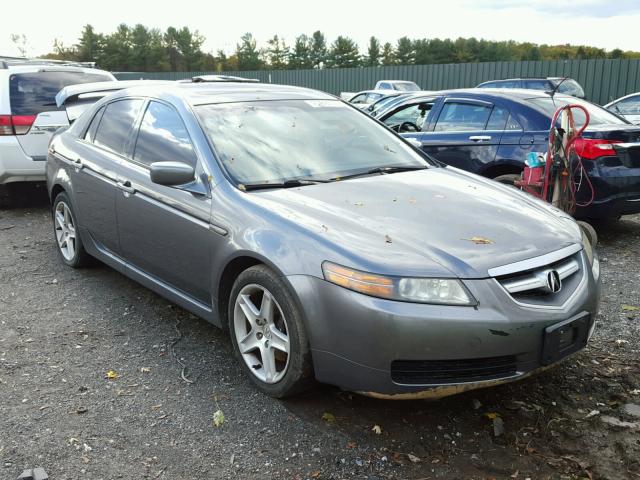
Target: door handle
{"x":126,"y":187}
{"x":480,"y":138}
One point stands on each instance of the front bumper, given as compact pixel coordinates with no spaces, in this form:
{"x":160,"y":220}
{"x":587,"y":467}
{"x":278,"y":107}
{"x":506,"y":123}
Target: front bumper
{"x":355,"y":339}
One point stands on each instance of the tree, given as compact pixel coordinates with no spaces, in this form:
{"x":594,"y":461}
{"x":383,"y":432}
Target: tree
{"x":318,"y":49}
{"x":405,"y":53}
{"x":373,"y":53}
{"x":300,"y":57}
{"x":277,"y":53}
{"x":247,"y":54}
{"x":117,"y":49}
{"x":387,"y":54}
{"x":20,"y":42}
{"x":90,"y":45}
{"x":344,"y":53}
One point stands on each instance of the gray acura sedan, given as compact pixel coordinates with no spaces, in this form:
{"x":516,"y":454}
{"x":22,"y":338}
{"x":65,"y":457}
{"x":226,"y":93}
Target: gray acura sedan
{"x":329,"y":247}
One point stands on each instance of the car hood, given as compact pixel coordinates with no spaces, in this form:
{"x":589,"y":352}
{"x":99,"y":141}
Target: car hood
{"x":438,"y":221}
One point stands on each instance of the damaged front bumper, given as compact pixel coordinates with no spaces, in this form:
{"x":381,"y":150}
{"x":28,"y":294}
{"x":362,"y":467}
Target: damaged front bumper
{"x":401,"y":350}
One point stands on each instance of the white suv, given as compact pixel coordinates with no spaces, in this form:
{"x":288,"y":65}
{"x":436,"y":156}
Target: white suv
{"x":29,"y":115}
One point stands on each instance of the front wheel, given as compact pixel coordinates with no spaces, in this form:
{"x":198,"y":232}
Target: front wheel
{"x":70,"y":246}
{"x":268,"y":333}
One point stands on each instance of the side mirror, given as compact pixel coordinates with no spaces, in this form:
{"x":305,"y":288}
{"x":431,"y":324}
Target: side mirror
{"x":172,"y":173}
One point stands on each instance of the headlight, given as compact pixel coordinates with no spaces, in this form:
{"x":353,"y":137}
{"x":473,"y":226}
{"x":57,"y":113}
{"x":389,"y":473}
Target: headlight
{"x":443,"y":291}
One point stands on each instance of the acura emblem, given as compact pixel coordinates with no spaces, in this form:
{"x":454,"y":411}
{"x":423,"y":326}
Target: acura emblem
{"x":554,"y":283}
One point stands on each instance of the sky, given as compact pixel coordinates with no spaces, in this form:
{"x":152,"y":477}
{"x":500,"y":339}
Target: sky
{"x":605,"y":24}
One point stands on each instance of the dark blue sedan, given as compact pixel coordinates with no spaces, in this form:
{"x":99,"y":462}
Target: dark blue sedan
{"x":490,"y":132}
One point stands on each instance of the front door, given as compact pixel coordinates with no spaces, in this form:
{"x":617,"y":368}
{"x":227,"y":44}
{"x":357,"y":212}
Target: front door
{"x":164,"y":231}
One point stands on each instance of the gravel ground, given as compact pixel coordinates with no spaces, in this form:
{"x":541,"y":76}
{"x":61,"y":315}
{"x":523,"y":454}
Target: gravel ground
{"x":62,"y":330}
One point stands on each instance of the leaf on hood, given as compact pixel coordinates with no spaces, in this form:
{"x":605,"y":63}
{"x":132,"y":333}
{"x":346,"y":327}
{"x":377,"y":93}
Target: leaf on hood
{"x":111,"y":375}
{"x":480,"y":240}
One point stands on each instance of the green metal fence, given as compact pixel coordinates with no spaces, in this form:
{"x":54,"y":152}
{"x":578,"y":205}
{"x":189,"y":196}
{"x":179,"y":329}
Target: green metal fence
{"x":603,"y":80}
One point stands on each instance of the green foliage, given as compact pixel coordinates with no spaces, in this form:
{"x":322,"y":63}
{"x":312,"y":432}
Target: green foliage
{"x":300,"y":56}
{"x":318,"y":49}
{"x":343,"y":53}
{"x":143,"y":49}
{"x":373,"y":53}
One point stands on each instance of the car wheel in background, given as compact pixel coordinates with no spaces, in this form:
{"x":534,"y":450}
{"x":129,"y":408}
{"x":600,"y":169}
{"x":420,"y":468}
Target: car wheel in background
{"x":68,"y":239}
{"x":508,"y":179}
{"x":268,"y":333}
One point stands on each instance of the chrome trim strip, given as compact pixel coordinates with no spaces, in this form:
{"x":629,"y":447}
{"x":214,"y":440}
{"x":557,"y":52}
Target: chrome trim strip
{"x":626,"y":145}
{"x":535,"y":262}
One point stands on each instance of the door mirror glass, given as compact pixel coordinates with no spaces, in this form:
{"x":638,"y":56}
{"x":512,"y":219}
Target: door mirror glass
{"x":172,"y":173}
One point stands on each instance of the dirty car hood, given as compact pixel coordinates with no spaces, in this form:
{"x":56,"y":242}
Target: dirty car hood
{"x":438,"y":221}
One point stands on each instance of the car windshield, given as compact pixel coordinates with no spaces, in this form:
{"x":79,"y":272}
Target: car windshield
{"x":597,"y":115}
{"x":568,"y":86}
{"x":407,"y":86}
{"x":276,"y":141}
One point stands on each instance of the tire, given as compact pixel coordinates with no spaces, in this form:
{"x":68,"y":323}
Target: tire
{"x":268,"y":328}
{"x":508,"y":179}
{"x":66,"y":234}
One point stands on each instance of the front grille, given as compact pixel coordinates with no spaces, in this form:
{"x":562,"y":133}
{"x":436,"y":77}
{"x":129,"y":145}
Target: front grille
{"x":531,"y":286}
{"x":434,"y":372}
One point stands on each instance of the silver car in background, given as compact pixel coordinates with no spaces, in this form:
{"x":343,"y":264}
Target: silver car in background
{"x":328,"y":246}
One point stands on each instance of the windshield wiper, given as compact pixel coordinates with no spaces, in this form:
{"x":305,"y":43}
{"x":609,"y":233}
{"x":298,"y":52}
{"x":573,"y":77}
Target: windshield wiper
{"x":381,"y":170}
{"x":293,"y":182}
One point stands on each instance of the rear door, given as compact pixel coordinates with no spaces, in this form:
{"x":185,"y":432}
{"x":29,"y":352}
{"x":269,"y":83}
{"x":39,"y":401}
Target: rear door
{"x":466,"y":133}
{"x":32,"y":99}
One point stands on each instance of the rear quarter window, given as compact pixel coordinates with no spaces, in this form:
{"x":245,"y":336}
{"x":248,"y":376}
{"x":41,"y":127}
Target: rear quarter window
{"x":35,"y":92}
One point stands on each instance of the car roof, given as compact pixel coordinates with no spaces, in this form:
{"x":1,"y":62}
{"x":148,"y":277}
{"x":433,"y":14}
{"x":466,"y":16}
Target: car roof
{"x":504,"y":93}
{"x":621,"y":98}
{"x":209,"y":93}
{"x":30,"y":68}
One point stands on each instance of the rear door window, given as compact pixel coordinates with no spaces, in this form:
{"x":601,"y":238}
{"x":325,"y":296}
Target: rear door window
{"x":117,"y":125}
{"x":163,"y":137}
{"x":459,"y":116}
{"x":35,"y":92}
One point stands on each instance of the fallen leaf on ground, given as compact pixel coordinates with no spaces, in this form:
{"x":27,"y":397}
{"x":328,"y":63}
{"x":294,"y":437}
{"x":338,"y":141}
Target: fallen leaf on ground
{"x":592,"y":413}
{"x":351,"y":445}
{"x":145,"y":369}
{"x":315,"y":474}
{"x":377,"y":429}
{"x":328,"y":417}
{"x":111,"y":375}
{"x":630,"y":308}
{"x":218,"y":418}
{"x":491,"y":415}
{"x":413,"y":458}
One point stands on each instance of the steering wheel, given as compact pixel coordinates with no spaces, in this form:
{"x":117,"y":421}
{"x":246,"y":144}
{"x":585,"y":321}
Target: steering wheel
{"x":408,"y":127}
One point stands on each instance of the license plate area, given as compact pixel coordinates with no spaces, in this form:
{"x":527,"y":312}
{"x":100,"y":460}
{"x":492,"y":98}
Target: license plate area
{"x":564,"y":338}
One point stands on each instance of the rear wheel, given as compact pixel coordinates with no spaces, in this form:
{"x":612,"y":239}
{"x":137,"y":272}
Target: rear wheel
{"x":70,"y":246}
{"x":268,"y":333}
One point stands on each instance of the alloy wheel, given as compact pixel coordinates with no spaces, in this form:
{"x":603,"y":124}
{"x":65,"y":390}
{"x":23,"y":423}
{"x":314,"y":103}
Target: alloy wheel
{"x":65,"y":231}
{"x":261,"y":333}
